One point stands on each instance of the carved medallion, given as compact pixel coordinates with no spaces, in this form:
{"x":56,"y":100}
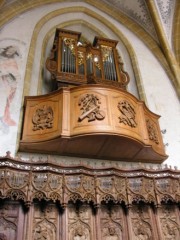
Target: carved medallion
{"x":90,"y":106}
{"x":43,"y":118}
{"x":40,"y":180}
{"x":16,"y":179}
{"x":153,"y":136}
{"x":127,"y":114}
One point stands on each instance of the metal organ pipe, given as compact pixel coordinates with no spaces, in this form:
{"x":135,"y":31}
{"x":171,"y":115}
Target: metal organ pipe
{"x":68,"y":61}
{"x":114,"y":69}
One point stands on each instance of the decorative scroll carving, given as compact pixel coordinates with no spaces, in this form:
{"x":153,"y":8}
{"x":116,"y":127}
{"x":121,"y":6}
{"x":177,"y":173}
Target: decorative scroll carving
{"x":127,"y":114}
{"x":90,"y":106}
{"x":152,"y":132}
{"x":124,"y":75}
{"x":43,"y":118}
{"x":51,"y":64}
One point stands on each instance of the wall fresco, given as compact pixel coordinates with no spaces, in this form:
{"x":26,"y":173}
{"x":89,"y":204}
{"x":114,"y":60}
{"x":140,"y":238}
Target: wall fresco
{"x":9,"y":76}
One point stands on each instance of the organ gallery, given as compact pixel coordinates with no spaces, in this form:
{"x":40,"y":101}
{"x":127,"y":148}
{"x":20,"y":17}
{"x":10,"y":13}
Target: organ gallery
{"x":88,"y":115}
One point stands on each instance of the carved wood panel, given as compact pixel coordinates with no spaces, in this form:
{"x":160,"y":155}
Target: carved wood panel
{"x":112,"y":223}
{"x":80,"y":223}
{"x":43,"y":222}
{"x":64,"y":121}
{"x":11,"y":220}
{"x":169,"y":222}
{"x":141,"y":224}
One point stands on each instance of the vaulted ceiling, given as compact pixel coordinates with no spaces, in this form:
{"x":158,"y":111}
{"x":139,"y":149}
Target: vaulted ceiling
{"x":157,"y":19}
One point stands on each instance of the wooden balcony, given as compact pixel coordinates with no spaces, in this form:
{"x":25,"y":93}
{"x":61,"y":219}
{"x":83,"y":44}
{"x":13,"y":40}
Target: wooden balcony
{"x":93,"y":121}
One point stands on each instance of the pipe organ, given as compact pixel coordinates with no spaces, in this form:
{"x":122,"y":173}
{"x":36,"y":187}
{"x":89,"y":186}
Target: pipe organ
{"x":90,"y":105}
{"x":73,"y":62}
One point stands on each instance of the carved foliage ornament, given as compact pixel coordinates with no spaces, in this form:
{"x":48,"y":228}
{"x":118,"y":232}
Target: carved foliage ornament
{"x":90,"y":106}
{"x":153,"y":136}
{"x":43,"y":118}
{"x":106,"y":52}
{"x":81,"y":58}
{"x":70,"y":42}
{"x":127,"y":113}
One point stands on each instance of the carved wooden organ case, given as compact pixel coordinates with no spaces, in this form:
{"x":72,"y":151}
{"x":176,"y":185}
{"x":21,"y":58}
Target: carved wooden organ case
{"x":90,"y":114}
{"x":74,"y":61}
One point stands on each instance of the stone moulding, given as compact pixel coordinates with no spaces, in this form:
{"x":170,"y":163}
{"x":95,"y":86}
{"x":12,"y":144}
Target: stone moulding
{"x":94,"y":121}
{"x":27,"y":181}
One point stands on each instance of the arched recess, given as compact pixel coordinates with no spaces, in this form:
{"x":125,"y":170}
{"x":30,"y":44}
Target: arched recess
{"x":16,"y":8}
{"x":96,"y":16}
{"x":36,"y":33}
{"x":176,"y":32}
{"x":99,"y":18}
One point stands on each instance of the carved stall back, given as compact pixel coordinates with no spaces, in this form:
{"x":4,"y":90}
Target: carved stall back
{"x":42,"y":199}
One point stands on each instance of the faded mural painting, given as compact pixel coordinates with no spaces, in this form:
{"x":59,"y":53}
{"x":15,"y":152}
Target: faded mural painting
{"x":10,"y":89}
{"x":9,"y":76}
